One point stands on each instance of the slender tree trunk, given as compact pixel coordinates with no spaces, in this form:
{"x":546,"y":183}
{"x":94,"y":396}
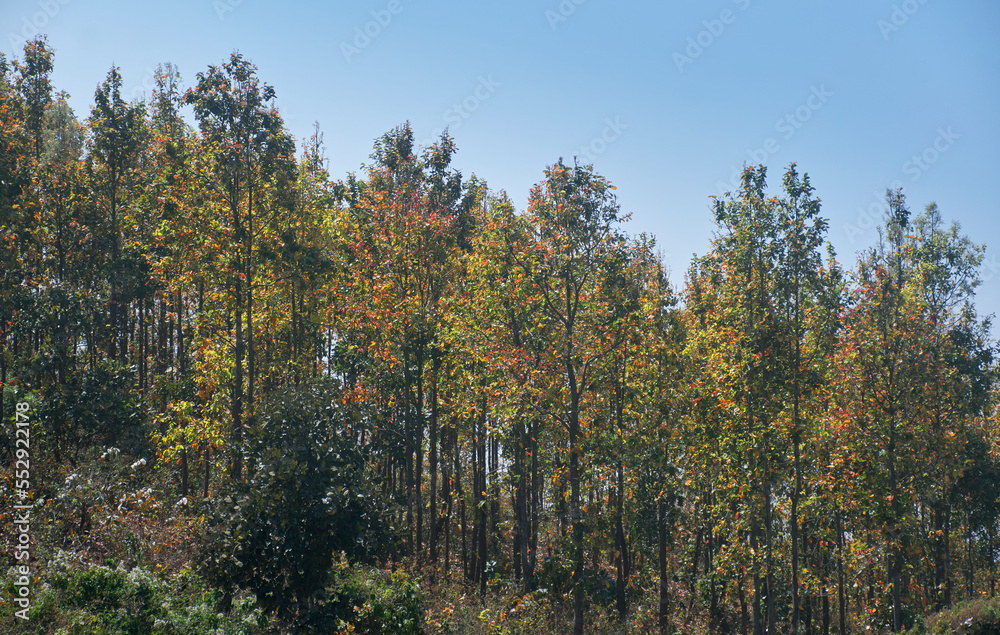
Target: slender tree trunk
{"x":940,"y":573}
{"x":769,"y":576}
{"x":758,"y":620}
{"x":208,"y":471}
{"x":237,"y":406}
{"x":184,"y":472}
{"x":744,"y":613}
{"x":481,"y":515}
{"x":461,"y":504}
{"x":181,"y":359}
{"x":893,"y":537}
{"x":435,"y":515}
{"x":161,"y":338}
{"x":840,"y":573}
{"x":494,"y":473}
{"x":143,"y":344}
{"x":521,"y":494}
{"x":826,"y":611}
{"x":536,"y":498}
{"x":248,"y":269}
{"x":418,"y":447}
{"x":408,"y":426}
{"x":970,"y":578}
{"x":446,"y":485}
{"x":661,"y":526}
{"x":621,"y":549}
{"x":794,"y":526}
{"x":575,"y":511}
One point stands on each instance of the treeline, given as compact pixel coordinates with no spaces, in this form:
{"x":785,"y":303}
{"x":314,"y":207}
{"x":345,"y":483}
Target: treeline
{"x":783,"y":445}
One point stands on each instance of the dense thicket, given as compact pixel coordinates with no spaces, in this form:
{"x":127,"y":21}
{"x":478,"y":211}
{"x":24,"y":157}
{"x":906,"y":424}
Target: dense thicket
{"x":399,"y":367}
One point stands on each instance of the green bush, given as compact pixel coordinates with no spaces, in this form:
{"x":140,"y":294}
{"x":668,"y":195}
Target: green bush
{"x":106,"y":601}
{"x":974,"y":617}
{"x":368,"y":601}
{"x":305,"y":498}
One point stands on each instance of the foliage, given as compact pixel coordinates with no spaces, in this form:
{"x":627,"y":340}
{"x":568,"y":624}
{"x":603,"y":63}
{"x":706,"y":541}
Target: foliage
{"x":220,"y":348}
{"x":305,"y":499}
{"x":972,"y":617}
{"x":368,"y":601}
{"x":105,"y":600}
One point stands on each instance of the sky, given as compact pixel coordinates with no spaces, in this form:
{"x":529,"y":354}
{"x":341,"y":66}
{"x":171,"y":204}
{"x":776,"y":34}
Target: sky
{"x":667,"y":100}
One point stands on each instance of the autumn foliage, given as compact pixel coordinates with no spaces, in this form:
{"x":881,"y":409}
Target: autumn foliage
{"x":493,"y":420}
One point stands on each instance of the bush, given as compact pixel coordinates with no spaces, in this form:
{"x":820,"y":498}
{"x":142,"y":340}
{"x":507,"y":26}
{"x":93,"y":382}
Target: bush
{"x":305,"y":498}
{"x":106,"y":601}
{"x":973,"y":617}
{"x":363,"y":600}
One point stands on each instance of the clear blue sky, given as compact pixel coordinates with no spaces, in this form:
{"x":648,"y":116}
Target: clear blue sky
{"x":668,"y":98}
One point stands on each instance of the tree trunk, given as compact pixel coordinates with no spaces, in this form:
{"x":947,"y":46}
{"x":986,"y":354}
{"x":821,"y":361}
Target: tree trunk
{"x":208,"y":468}
{"x":841,"y":582}
{"x":576,"y":519}
{"x":184,"y":472}
{"x":536,"y":498}
{"x":481,"y":515}
{"x":758,"y":619}
{"x":434,"y":515}
{"x":621,"y":549}
{"x":418,"y":449}
{"x":794,"y":525}
{"x":661,"y":526}
{"x":461,"y":500}
{"x":237,"y":404}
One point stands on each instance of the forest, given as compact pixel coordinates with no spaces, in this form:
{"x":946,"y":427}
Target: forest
{"x":241,"y":395}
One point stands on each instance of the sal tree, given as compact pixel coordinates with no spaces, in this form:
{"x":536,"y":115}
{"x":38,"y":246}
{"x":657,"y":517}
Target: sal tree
{"x":574,"y":219}
{"x":249,"y":145}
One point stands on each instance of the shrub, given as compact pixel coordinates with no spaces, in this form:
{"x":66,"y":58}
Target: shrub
{"x":973,"y":617}
{"x":105,"y":601}
{"x":363,"y":600}
{"x":304,"y":499}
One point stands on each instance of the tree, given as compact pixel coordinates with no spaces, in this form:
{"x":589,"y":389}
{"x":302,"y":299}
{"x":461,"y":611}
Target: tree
{"x":742,"y":339}
{"x":36,"y":89}
{"x":118,"y":137}
{"x":574,"y":218}
{"x":249,"y":145}
{"x":801,"y":286}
